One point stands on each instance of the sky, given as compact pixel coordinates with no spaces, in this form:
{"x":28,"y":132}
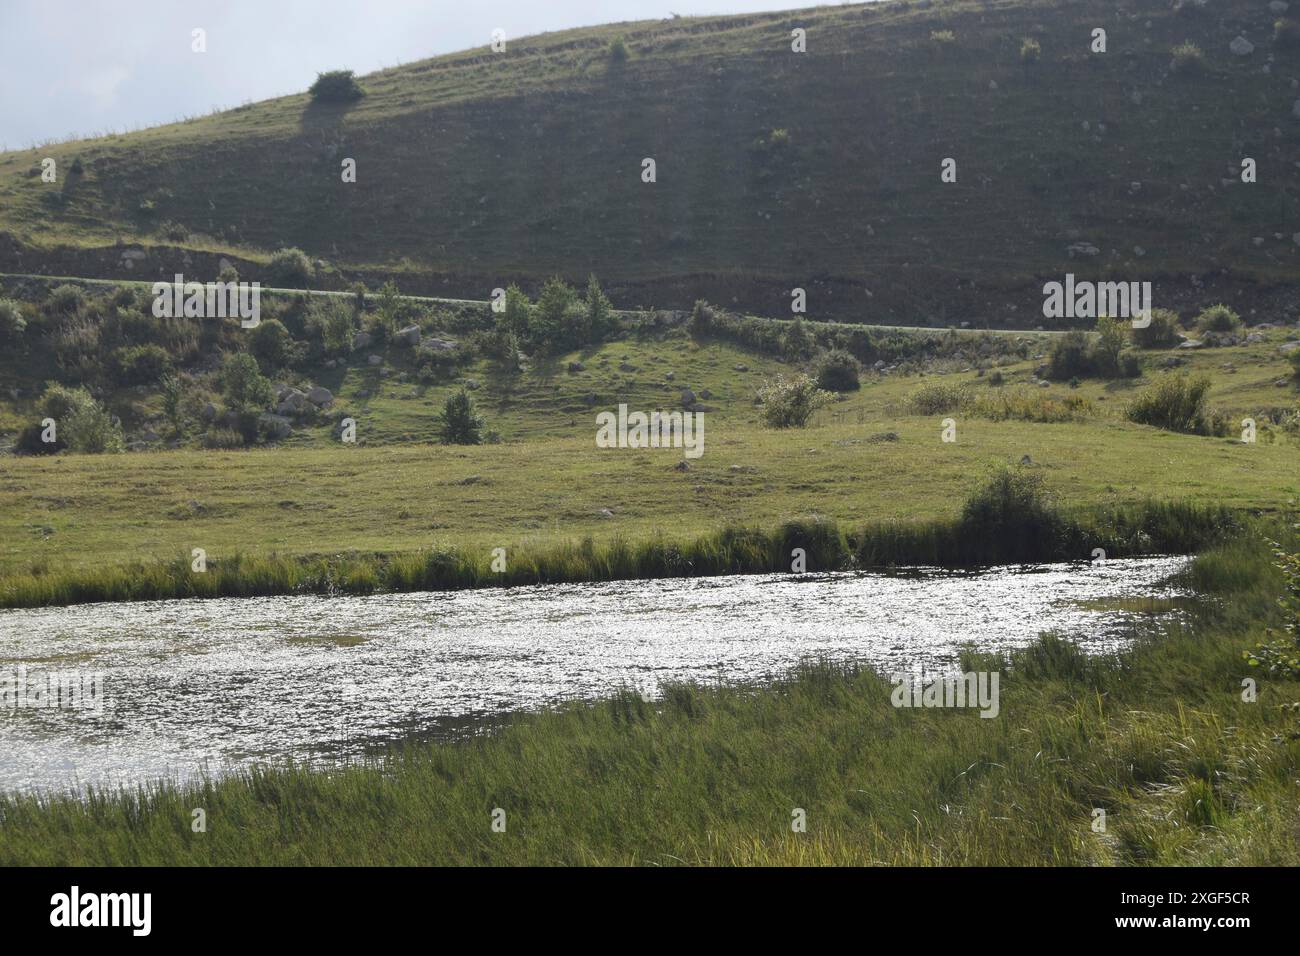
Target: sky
{"x":85,"y":67}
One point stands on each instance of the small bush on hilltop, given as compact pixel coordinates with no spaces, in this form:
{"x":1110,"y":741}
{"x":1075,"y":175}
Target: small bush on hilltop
{"x":336,"y":86}
{"x":791,"y":402}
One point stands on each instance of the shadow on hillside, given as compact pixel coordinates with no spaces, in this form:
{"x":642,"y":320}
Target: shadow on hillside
{"x":325,"y":119}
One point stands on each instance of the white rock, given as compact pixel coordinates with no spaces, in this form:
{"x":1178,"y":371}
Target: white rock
{"x":1241,"y":46}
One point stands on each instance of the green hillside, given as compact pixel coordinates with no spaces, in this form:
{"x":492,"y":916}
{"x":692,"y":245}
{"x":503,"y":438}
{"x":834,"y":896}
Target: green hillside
{"x":775,"y":169}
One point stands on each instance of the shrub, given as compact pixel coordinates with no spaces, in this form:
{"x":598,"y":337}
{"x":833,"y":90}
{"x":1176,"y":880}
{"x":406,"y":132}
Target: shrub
{"x":223,"y":439}
{"x":791,"y":402}
{"x":547,"y":328}
{"x":1011,"y":516}
{"x":1030,"y":51}
{"x":81,"y":423}
{"x":458,"y":423}
{"x":618,"y":50}
{"x":92,"y":430}
{"x":243,"y":384}
{"x":1188,"y":57}
{"x":388,"y":311}
{"x":271,"y":344}
{"x":1162,"y":332}
{"x":66,"y":299}
{"x":1286,"y":35}
{"x":336,"y":86}
{"x":1218,"y":318}
{"x":837,"y":371}
{"x":1069,"y":357}
{"x":290,"y":267}
{"x":138,"y":364}
{"x":12,"y":321}
{"x":936,"y":398}
{"x":1106,"y":350}
{"x":795,"y":342}
{"x":332,"y":323}
{"x":30,"y":441}
{"x":1176,"y":403}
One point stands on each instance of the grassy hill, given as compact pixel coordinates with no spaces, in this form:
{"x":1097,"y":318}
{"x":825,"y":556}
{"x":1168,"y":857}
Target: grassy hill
{"x":775,"y":169}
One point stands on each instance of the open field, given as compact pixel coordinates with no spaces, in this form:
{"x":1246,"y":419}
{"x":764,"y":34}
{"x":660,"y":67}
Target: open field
{"x":1159,"y":738}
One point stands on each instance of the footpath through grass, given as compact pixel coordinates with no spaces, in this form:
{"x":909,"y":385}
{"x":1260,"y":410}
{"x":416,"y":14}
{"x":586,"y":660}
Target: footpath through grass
{"x":1158,"y":737}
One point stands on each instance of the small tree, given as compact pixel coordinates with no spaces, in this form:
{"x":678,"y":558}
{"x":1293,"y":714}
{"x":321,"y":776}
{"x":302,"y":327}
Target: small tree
{"x":600,"y":314}
{"x":458,"y":423}
{"x":336,"y":86}
{"x":243,"y":384}
{"x":791,"y":402}
{"x":1110,"y":343}
{"x":547,"y":330}
{"x":388,"y":309}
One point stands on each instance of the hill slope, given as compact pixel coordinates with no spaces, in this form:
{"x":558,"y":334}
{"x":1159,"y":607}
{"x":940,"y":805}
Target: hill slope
{"x":775,"y":169}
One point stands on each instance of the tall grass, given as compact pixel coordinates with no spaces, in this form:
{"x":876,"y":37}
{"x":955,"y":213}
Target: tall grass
{"x":1158,"y":736}
{"x":1009,"y":520}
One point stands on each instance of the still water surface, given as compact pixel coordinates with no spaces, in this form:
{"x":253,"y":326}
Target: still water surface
{"x":193,"y":686}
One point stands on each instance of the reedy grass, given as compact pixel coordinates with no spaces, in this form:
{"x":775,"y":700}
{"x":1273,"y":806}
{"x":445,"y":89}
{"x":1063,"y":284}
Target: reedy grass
{"x":1152,"y":527}
{"x":1158,"y":736}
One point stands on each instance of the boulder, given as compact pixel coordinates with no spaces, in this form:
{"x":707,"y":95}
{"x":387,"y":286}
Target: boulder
{"x":320,"y":395}
{"x":408,"y":337}
{"x":1241,"y":46}
{"x":434,"y":344}
{"x":576,"y":366}
{"x":361,"y":340}
{"x":688,"y":398}
{"x":374,"y":360}
{"x":274,"y":426}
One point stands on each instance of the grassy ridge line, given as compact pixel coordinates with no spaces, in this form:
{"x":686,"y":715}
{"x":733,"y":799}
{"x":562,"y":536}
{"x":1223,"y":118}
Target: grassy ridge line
{"x":1158,"y":737}
{"x":275,"y":290}
{"x":1001,"y":533}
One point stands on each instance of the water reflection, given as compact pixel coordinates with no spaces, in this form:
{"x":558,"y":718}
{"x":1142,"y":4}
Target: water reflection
{"x":192,"y":685}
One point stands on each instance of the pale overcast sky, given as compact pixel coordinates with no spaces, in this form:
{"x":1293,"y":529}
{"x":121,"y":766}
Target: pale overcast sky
{"x":89,"y":66}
